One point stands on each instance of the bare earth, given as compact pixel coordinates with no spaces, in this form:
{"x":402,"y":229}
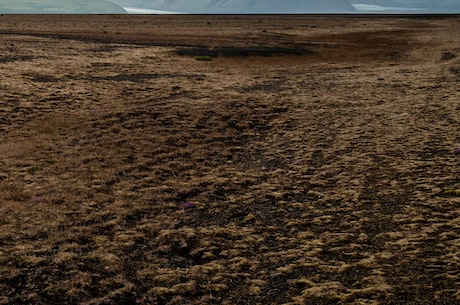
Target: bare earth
{"x":302,"y":160}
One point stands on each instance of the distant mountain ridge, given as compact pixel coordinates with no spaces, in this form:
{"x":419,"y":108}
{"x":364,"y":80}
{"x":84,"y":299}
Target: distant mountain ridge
{"x":60,"y":7}
{"x":286,"y":6}
{"x":243,"y":6}
{"x":444,"y":6}
{"x":289,"y":6}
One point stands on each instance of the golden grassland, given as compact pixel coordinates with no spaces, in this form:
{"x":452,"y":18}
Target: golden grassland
{"x":229,"y":160}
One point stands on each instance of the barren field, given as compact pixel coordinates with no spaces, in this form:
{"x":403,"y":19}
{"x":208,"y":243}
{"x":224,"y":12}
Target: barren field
{"x":229,"y":160}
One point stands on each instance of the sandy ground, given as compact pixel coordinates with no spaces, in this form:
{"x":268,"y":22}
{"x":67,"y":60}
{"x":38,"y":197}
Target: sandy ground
{"x":302,"y":160}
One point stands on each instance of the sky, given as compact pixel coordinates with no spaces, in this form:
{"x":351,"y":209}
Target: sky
{"x":229,"y":6}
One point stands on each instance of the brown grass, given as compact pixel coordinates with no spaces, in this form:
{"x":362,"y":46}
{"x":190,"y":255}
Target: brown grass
{"x":134,"y":175}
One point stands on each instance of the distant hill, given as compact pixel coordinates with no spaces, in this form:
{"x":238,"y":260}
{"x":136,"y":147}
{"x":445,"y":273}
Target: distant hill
{"x":59,"y":7}
{"x":243,"y":6}
{"x":444,"y":6}
{"x":286,"y":6}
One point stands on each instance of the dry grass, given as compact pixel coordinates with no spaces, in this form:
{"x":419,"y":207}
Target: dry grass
{"x":13,"y":192}
{"x":133,"y":175}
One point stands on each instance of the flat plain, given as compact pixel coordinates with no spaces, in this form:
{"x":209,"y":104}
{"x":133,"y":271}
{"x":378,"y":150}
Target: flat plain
{"x":229,"y":159}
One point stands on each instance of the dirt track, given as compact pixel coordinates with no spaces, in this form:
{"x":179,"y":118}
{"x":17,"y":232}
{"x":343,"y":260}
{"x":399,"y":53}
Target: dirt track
{"x":310,"y":160}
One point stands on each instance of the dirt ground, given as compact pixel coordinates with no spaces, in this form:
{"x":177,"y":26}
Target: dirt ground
{"x":229,"y":160}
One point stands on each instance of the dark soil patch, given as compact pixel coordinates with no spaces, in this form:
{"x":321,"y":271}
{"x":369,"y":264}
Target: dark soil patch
{"x":241,"y":51}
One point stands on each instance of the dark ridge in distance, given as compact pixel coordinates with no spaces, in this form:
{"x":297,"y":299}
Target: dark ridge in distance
{"x":241,"y":51}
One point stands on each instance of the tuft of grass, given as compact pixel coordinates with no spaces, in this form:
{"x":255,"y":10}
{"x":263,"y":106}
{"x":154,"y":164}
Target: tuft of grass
{"x":33,"y":169}
{"x":451,"y":193}
{"x":49,"y":161}
{"x":51,"y":125}
{"x":13,"y":192}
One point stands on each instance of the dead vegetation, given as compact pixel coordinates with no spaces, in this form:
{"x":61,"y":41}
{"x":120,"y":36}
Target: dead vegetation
{"x":132,"y":175}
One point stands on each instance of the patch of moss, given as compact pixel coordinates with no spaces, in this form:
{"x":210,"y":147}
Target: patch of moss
{"x":451,"y":193}
{"x":49,"y":161}
{"x":33,"y":169}
{"x":204,"y":58}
